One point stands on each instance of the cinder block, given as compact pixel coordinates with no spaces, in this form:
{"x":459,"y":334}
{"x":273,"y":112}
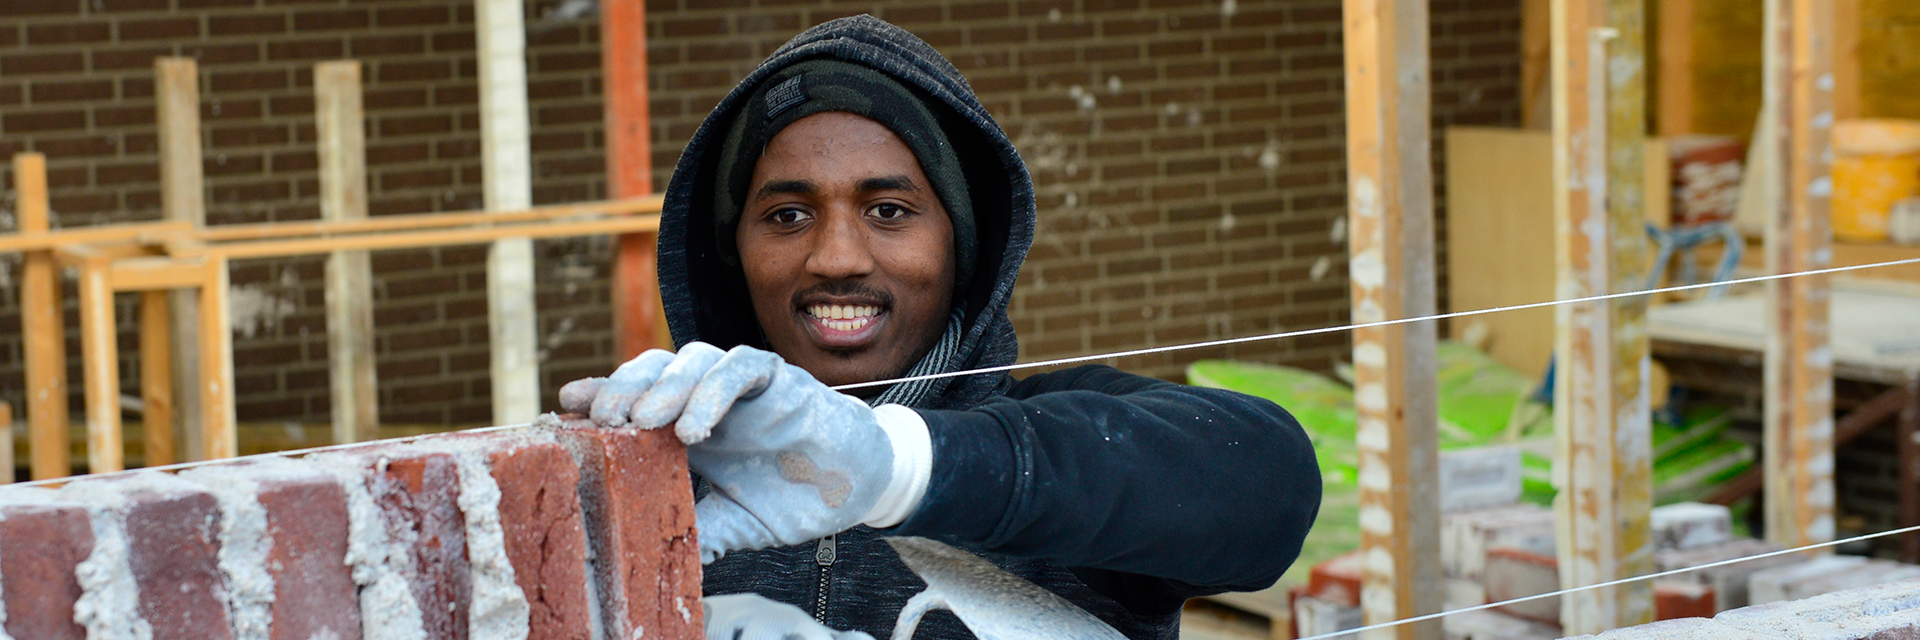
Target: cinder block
{"x":1337,"y":580}
{"x":1729,"y":582}
{"x":1314,"y":617}
{"x":418,"y":493}
{"x":1465,"y":536}
{"x":1674,"y":599}
{"x":1486,"y":624}
{"x":1479,"y":477}
{"x":1781,"y":583}
{"x":540,"y":517}
{"x":42,"y":539}
{"x":1888,"y":611}
{"x":638,"y":502}
{"x":1518,"y":573}
{"x":1691,"y":525}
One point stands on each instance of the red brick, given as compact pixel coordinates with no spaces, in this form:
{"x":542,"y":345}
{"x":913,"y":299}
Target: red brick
{"x":1675,"y":599}
{"x":419,"y":493}
{"x":1337,"y":580}
{"x":173,"y":549}
{"x":313,"y":588}
{"x":541,"y":522}
{"x":43,"y":545}
{"x":639,"y":504}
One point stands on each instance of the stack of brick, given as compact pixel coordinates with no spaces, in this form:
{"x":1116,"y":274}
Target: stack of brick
{"x":552,"y":531}
{"x":1890,"y":610}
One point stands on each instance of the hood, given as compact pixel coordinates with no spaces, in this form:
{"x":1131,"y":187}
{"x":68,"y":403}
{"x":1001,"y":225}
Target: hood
{"x":706,"y":300}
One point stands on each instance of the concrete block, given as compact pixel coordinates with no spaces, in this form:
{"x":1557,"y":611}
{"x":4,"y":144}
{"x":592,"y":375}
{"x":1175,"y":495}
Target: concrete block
{"x":1848,"y":576}
{"x":1487,"y":624}
{"x":418,"y":493}
{"x":1889,"y":611}
{"x":1729,"y":582}
{"x":1313,"y":617}
{"x":1518,"y":573}
{"x":1465,"y":536}
{"x":1479,"y":477}
{"x":1781,"y":583}
{"x":1691,"y":525}
{"x":42,"y":539}
{"x":1682,"y":599}
{"x":1682,"y":629}
{"x":638,"y":502}
{"x":1337,"y":580}
{"x":540,"y":515}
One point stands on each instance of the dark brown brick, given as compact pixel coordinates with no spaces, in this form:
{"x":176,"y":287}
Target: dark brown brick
{"x":44,"y":544}
{"x":419,"y":494}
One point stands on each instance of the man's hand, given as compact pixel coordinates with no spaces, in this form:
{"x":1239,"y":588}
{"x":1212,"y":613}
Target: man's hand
{"x":788,"y":460}
{"x":747,"y":616}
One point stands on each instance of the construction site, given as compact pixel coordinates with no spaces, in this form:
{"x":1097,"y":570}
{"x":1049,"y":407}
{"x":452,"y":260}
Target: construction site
{"x":1601,"y":318}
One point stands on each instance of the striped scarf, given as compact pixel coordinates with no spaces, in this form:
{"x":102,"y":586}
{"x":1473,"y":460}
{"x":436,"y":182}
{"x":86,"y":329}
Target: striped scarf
{"x":912,"y":394}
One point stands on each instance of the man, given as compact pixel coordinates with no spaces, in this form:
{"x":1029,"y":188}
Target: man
{"x":851,"y":214}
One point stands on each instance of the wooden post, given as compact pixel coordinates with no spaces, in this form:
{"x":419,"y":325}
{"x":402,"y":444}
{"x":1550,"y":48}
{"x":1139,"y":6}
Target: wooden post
{"x":507,"y":170}
{"x":176,"y":86}
{"x":341,"y":128}
{"x":40,"y":323}
{"x":638,"y":319}
{"x":1798,"y":453}
{"x":6,"y":445}
{"x":100,"y":354}
{"x":1390,"y":214}
{"x":156,"y":379}
{"x":218,"y":431}
{"x":1602,"y":416}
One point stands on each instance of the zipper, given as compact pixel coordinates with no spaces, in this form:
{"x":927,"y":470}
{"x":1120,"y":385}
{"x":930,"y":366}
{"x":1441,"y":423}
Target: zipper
{"x":824,"y":553}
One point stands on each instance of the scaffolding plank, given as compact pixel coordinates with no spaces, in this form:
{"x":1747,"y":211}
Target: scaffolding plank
{"x":507,"y":172}
{"x":340,"y":125}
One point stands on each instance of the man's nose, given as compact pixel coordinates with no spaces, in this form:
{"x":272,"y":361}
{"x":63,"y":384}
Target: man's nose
{"x":840,"y":248}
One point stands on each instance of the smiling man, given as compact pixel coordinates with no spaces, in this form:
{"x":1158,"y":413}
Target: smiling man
{"x":850,"y":214}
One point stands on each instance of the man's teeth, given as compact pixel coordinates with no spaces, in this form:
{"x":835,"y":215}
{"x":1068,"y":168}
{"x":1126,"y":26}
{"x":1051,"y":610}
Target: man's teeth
{"x":843,"y":317}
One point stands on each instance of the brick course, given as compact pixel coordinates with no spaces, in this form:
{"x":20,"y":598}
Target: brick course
{"x":1188,"y":155}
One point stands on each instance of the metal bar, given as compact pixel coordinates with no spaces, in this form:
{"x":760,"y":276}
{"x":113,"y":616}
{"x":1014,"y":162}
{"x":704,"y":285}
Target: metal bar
{"x":44,"y":338}
{"x":1799,"y":427}
{"x":1390,"y":222}
{"x":339,"y":123}
{"x":638,"y":319}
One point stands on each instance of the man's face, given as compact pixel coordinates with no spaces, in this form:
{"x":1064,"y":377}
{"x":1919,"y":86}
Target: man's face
{"x":847,"y":250}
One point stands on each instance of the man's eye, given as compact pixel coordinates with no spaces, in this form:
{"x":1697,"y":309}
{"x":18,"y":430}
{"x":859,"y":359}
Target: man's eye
{"x":788,"y":215}
{"x":890,"y":212}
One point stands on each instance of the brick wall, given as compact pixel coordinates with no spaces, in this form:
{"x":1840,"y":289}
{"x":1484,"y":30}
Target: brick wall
{"x":1188,"y":154}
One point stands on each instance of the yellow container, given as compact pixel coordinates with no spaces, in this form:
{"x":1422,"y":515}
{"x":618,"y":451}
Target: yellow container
{"x":1876,"y":163}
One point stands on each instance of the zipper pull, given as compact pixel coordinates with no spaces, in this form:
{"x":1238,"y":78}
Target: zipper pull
{"x":826,"y":551}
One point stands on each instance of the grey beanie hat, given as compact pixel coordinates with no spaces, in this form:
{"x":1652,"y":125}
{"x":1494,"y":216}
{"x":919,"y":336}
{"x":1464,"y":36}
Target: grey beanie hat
{"x":819,"y":86}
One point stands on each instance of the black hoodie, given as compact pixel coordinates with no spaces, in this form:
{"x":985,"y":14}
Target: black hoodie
{"x":1124,"y":494}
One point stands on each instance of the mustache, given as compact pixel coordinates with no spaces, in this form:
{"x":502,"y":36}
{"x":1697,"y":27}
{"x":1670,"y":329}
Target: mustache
{"x":843,"y":289}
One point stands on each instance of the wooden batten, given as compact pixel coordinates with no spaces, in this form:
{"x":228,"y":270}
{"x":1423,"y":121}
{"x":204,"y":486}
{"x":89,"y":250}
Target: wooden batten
{"x":1390,"y":228}
{"x":1602,"y":418}
{"x":182,"y":200}
{"x":340,"y":125}
{"x":156,"y":376}
{"x":1798,"y":453}
{"x":42,"y":334}
{"x":100,"y":356}
{"x":218,"y":433}
{"x":507,"y":172}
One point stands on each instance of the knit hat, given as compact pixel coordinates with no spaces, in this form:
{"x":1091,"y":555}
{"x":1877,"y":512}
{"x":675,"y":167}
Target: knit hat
{"x":819,"y":86}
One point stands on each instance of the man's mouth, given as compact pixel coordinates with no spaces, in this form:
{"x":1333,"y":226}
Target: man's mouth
{"x":843,"y":317}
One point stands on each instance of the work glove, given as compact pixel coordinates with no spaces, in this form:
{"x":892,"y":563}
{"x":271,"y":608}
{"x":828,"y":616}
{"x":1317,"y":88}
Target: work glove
{"x":786,"y":458}
{"x":749,"y":616}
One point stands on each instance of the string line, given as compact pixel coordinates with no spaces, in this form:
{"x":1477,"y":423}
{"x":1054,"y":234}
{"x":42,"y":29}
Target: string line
{"x":1366,"y":325}
{"x":1610,"y":583}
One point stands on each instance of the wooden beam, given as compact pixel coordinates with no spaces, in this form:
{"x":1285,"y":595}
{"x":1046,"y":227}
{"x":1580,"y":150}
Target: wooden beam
{"x":1673,"y":71}
{"x":158,"y":273}
{"x":1798,"y":449}
{"x":423,"y":221}
{"x":1536,"y":56}
{"x":1390,"y":222}
{"x":182,"y":199}
{"x":217,"y":433}
{"x":40,"y":323}
{"x":507,"y":172}
{"x":1849,"y":26}
{"x":1602,"y":416}
{"x":100,"y":356}
{"x":6,"y":442}
{"x":429,"y":238}
{"x":122,"y":232}
{"x":156,"y":377}
{"x":639,"y":321}
{"x":340,"y":125}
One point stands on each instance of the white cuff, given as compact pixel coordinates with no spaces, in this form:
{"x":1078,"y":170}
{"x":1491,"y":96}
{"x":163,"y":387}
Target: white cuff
{"x":912,"y":466}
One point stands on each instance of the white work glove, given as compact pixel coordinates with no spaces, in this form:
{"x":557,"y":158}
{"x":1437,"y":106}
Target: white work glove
{"x":788,"y":460}
{"x":748,"y":616}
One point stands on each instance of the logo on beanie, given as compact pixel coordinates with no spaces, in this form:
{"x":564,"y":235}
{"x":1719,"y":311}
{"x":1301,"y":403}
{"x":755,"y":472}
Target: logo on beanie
{"x":784,"y":96}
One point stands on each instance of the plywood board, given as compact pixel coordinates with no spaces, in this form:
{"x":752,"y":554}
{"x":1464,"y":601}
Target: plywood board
{"x":1500,"y":238}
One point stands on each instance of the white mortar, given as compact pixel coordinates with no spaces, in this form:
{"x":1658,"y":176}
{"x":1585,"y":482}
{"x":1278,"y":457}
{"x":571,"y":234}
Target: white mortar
{"x":244,"y":543}
{"x":380,"y":565}
{"x":110,"y":597}
{"x":498,"y":609}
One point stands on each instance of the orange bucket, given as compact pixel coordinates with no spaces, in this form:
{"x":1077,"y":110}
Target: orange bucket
{"x":1876,"y":164}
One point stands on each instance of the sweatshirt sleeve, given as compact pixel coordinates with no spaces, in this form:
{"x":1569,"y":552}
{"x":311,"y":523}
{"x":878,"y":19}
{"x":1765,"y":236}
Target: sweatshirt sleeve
{"x":1151,"y":492}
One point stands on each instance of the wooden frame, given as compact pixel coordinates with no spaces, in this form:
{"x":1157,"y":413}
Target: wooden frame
{"x":1390,"y":222}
